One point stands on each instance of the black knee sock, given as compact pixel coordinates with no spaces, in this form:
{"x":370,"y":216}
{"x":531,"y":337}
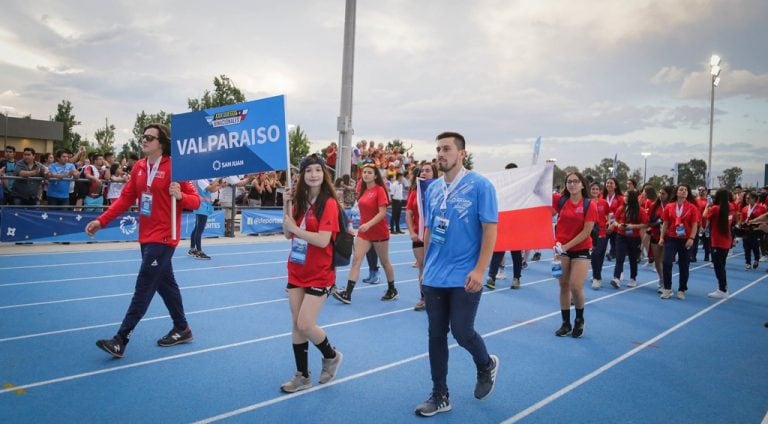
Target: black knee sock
{"x":326,"y":349}
{"x":301,"y":355}
{"x":566,"y":314}
{"x":391,"y":285}
{"x":350,"y":286}
{"x":579,"y":314}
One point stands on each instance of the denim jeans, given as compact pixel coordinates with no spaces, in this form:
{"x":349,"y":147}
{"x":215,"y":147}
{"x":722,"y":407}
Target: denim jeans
{"x":719,"y":257}
{"x":517,"y":263}
{"x":598,"y":257}
{"x":197,"y":233}
{"x":456,"y":309}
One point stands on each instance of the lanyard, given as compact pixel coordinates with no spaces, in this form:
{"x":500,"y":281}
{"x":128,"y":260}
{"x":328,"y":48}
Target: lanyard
{"x":448,"y":190}
{"x":610,"y":200}
{"x":152,"y":172}
{"x":303,"y":224}
{"x":679,"y":209}
{"x":750,"y":209}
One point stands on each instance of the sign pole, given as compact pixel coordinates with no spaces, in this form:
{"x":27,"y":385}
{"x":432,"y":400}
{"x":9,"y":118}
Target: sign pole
{"x":173,"y":218}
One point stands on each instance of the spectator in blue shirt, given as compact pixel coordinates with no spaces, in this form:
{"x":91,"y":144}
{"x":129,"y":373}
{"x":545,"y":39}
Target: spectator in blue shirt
{"x":60,"y":175}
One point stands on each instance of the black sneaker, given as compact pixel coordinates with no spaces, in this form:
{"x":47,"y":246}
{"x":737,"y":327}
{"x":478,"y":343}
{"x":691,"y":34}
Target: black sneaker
{"x":192,"y":252}
{"x":578,"y":328}
{"x":437,"y":402}
{"x":564,"y":330}
{"x":342,"y":296}
{"x":536,"y":256}
{"x":486,"y":380}
{"x":175,"y":337}
{"x":391,"y":294}
{"x":201,"y":255}
{"x":113,"y":346}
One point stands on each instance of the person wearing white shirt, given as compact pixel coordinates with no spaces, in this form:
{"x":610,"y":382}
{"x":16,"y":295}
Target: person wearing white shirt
{"x":396,"y":194}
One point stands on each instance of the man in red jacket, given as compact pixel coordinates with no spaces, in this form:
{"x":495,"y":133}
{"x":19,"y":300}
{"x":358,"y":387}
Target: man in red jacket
{"x":151,"y":185}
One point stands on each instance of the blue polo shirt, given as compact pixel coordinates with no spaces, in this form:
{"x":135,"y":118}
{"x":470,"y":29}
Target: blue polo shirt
{"x":469,"y":205}
{"x":59,"y":189}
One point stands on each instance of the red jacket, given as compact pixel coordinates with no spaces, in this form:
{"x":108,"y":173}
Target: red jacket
{"x":157,"y":227}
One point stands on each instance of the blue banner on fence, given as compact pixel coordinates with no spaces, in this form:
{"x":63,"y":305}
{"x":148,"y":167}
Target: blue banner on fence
{"x":230,"y":140}
{"x":37,"y":225}
{"x":261,"y":221}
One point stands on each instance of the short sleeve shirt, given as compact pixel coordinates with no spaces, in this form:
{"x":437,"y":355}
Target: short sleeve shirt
{"x":317,"y":270}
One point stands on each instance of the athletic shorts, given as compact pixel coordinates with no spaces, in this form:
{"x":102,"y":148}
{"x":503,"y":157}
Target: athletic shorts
{"x":313,"y":291}
{"x":417,"y":244}
{"x":585,"y":254}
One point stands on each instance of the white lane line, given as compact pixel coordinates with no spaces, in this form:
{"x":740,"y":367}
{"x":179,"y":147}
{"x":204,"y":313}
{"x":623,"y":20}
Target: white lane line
{"x":185,"y":355}
{"x":176,"y":271}
{"x":585,"y":379}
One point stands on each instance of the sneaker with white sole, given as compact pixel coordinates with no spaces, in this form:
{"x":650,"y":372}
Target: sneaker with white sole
{"x":515,"y":284}
{"x":175,"y":337}
{"x":681,"y":294}
{"x":297,"y":383}
{"x":437,"y":402}
{"x":330,"y":366}
{"x":615,"y":282}
{"x":490,"y":283}
{"x":632,"y":283}
{"x":666,"y":294}
{"x":659,"y":288}
{"x":596,"y":284}
{"x":113,"y":346}
{"x":500,"y":275}
{"x":486,"y":379}
{"x":718,"y":294}
{"x":748,"y":267}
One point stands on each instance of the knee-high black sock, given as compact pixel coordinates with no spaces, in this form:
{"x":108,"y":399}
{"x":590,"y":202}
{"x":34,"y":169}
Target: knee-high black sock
{"x":579,"y":314}
{"x":566,"y":314}
{"x":301,"y":355}
{"x":391,"y":285}
{"x":350,"y":286}
{"x":326,"y":349}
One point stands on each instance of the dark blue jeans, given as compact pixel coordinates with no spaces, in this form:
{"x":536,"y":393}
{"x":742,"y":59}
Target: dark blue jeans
{"x":626,"y":247}
{"x":197,"y":232}
{"x":456,"y":309}
{"x":517,"y":263}
{"x":155,"y":275}
{"x":676,"y":246}
{"x":598,"y":257}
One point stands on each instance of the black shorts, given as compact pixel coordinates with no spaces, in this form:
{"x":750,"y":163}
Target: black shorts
{"x":416,"y":244}
{"x":312,"y":291}
{"x":585,"y":254}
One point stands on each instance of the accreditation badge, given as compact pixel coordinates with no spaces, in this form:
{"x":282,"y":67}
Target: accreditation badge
{"x":146,"y":204}
{"x":680,"y":230}
{"x":298,"y":251}
{"x":439,"y":230}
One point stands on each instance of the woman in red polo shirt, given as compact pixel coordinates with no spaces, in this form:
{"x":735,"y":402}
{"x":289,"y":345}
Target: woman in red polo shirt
{"x":720,"y":216}
{"x":574,"y":243}
{"x":612,"y":195}
{"x":310,"y":267}
{"x":751,"y":238}
{"x":372,"y":201}
{"x":680,"y":221}
{"x":599,"y":243}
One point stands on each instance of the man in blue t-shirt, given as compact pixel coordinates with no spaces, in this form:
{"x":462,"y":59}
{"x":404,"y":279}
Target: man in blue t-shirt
{"x":60,"y":175}
{"x":460,"y":217}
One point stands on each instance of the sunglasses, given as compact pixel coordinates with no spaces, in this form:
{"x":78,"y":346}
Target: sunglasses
{"x":149,"y":137}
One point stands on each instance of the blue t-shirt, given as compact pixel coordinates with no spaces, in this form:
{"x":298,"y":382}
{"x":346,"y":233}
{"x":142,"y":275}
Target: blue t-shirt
{"x":57,"y":188}
{"x":469,"y":205}
{"x":206,"y":203}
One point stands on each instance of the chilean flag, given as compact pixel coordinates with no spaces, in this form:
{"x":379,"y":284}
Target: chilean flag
{"x":524,"y":197}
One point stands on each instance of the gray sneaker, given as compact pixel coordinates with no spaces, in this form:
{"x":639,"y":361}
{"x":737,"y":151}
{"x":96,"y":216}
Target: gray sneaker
{"x":486,"y":380}
{"x":515,"y":283}
{"x":297,"y":383}
{"x":329,"y":368}
{"x":437,"y":402}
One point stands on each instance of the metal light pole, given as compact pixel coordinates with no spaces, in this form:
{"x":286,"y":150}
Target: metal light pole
{"x":645,"y":165}
{"x":344,"y":121}
{"x":714,"y":70}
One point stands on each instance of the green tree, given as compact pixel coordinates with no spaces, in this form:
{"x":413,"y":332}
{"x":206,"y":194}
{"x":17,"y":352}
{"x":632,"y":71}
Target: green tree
{"x":105,"y":139}
{"x":469,"y":161}
{"x":730,"y":178}
{"x":558,"y":177}
{"x":693,"y":172}
{"x":396,"y":145}
{"x":224,"y":93}
{"x":71,"y":140}
{"x":298,"y":144}
{"x":659,"y":181}
{"x":604,"y":170}
{"x":142,"y":120}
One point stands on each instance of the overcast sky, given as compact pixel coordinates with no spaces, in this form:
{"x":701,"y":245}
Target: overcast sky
{"x":592,"y":78}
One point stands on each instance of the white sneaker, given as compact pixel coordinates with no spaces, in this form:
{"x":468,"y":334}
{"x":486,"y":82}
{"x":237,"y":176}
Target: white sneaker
{"x":666,"y":294}
{"x":748,"y":267}
{"x":500,"y":274}
{"x":681,"y":295}
{"x":615,"y":282}
{"x":718,"y":294}
{"x":659,"y":288}
{"x":596,"y":284}
{"x":632,"y":283}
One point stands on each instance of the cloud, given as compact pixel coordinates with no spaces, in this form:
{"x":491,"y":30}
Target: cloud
{"x":668,"y":74}
{"x":732,"y":83}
